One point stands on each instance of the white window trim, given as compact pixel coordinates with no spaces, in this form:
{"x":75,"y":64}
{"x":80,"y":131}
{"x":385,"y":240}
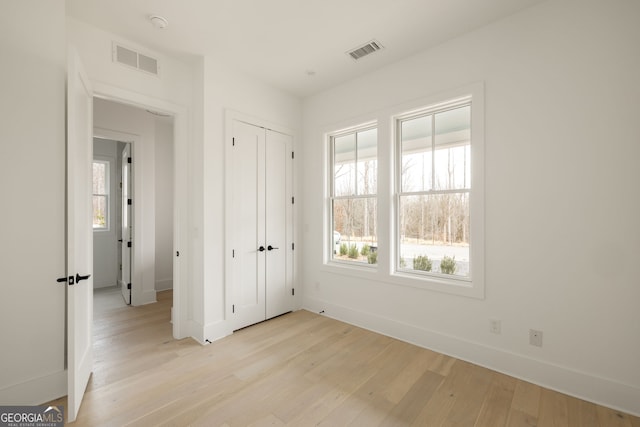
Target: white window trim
{"x":329,"y":195}
{"x":107,"y":161}
{"x":388,"y":197}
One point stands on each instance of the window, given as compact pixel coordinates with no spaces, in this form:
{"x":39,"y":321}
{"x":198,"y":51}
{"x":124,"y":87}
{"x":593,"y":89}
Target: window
{"x":100,"y":195}
{"x":430,"y":195}
{"x":433,"y":180}
{"x":353,"y":189}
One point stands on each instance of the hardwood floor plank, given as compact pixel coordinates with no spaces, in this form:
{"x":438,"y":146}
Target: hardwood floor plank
{"x":495,"y":408}
{"x":553,"y":409}
{"x":470,"y":397}
{"x":581,"y":413}
{"x":611,"y":417}
{"x":302,"y":369}
{"x":526,"y":398}
{"x":411,"y":404}
{"x":517,"y":418}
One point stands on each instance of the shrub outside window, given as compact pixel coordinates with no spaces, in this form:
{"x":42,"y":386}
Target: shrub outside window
{"x":353,"y":196}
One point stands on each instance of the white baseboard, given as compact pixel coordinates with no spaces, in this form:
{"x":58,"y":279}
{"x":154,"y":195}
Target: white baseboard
{"x":104,"y":285}
{"x":217,"y":330}
{"x":602,"y":391}
{"x":35,"y":391}
{"x":164,"y":285}
{"x":148,"y":297}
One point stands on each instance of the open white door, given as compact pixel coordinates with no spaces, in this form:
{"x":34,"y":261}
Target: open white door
{"x":79,"y":233}
{"x":126,"y":231}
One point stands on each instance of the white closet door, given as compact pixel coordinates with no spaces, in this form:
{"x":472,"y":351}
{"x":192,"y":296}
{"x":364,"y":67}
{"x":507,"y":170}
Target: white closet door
{"x":278,"y":222}
{"x":247,"y":224}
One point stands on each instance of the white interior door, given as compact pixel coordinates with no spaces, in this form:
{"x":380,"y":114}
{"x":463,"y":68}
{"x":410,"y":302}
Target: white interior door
{"x":247,"y":183}
{"x":126,"y":224}
{"x":79,"y":233}
{"x":261,"y":222}
{"x":278,"y":224}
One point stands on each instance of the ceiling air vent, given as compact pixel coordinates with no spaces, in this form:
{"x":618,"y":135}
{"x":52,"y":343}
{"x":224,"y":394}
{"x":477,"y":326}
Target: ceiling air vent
{"x":133,"y":59}
{"x":367,"y":49}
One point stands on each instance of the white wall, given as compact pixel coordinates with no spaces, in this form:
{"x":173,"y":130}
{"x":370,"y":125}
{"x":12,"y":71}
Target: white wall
{"x":134,"y":121}
{"x":32,"y":218}
{"x":94,"y":45}
{"x":172,"y":91}
{"x":105,"y":242}
{"x":226,"y":89}
{"x":562,"y":203}
{"x":164,"y":204}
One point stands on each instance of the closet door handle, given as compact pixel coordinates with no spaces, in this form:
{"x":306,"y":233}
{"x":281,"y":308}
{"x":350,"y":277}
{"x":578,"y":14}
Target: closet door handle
{"x":271,"y":248}
{"x":261,"y":249}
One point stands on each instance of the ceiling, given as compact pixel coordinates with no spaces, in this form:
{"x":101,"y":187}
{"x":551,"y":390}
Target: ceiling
{"x":298,"y":46}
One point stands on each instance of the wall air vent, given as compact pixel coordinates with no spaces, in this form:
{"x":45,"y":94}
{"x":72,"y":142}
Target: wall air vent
{"x":364,"y":50}
{"x":131,"y":58}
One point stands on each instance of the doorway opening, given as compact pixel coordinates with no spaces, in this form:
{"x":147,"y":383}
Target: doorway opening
{"x":134,"y":224}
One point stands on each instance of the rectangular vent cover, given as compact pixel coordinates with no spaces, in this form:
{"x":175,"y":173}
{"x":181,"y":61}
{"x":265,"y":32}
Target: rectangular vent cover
{"x":133,"y":59}
{"x":366,"y":49}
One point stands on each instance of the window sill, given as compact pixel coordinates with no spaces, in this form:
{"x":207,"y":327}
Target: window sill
{"x":461,"y":287}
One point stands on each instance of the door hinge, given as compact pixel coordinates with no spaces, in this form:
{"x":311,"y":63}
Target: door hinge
{"x":128,"y":285}
{"x":293,"y":200}
{"x":293,"y":156}
{"x":233,"y":142}
{"x":177,"y":253}
{"x":233,"y":253}
{"x":293,"y":291}
{"x":128,"y":244}
{"x":129,"y":202}
{"x":293,"y":246}
{"x":128,"y":159}
{"x":233,"y":308}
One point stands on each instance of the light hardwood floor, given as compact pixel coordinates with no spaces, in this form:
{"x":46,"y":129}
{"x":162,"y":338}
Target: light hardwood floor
{"x":303,"y":369}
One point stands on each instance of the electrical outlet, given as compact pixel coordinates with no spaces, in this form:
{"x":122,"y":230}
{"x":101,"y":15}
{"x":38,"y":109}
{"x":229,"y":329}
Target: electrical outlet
{"x":495,"y":326}
{"x":535,"y":337}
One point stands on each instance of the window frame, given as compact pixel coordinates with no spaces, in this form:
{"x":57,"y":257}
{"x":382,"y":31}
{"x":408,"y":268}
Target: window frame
{"x":472,"y":285}
{"x":386,"y":121}
{"x":331,"y":197}
{"x":432,"y":191}
{"x":106,"y":195}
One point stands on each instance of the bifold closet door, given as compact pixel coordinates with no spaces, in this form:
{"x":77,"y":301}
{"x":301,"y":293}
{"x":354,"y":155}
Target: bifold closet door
{"x":278,"y":223}
{"x":261,"y":224}
{"x":247,"y":224}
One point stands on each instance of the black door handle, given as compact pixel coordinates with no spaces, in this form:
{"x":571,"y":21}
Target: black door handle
{"x":70,"y":280}
{"x":271,"y":248}
{"x":261,"y":248}
{"x":79,"y":277}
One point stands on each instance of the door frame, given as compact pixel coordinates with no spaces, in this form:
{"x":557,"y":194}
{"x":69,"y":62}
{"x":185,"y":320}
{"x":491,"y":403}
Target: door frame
{"x":180,"y":191}
{"x":136,"y":189}
{"x":126,"y":209}
{"x":230,"y":117}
